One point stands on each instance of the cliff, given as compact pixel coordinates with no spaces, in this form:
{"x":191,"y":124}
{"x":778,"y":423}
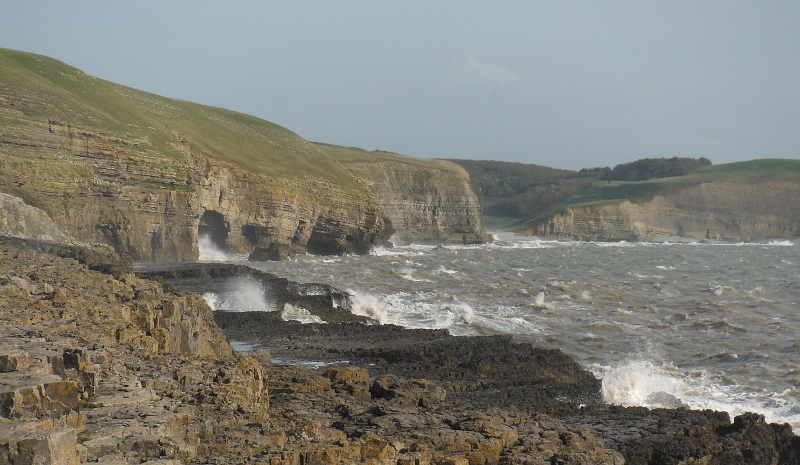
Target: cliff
{"x":149,"y":175}
{"x":421,"y":200}
{"x":741,"y":202}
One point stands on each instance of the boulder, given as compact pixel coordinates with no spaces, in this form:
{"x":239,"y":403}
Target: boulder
{"x":420,"y":392}
{"x":57,"y":447}
{"x":272,"y":253}
{"x":350,"y":380}
{"x":14,"y":361}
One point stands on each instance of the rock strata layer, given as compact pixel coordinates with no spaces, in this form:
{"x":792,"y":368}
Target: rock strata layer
{"x":87,"y":160}
{"x":728,"y":211}
{"x":421,"y":201}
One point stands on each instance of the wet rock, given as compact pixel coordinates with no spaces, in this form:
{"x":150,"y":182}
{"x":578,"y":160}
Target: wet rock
{"x":272,"y":253}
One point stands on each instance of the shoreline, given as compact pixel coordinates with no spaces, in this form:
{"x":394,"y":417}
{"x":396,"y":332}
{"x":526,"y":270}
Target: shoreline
{"x":152,"y":384}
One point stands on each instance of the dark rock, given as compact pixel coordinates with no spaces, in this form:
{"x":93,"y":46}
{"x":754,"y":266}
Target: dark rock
{"x":420,"y":392}
{"x":350,"y":380}
{"x":76,"y":359}
{"x":274,"y":252}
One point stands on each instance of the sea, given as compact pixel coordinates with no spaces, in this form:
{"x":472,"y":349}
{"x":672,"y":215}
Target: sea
{"x":706,"y":325}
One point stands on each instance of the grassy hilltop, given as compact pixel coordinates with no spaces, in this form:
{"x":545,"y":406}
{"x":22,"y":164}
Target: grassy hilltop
{"x":46,"y":89}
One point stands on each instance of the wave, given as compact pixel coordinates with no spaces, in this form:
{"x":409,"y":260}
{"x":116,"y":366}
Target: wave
{"x":640,"y":382}
{"x":409,"y":311}
{"x":393,"y":252}
{"x":299,"y":314}
{"x":209,"y":251}
{"x":241,"y":295}
{"x":365,"y":304}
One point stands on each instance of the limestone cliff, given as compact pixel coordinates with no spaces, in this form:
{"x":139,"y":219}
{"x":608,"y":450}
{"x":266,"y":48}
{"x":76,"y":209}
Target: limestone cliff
{"x":18,"y":219}
{"x":422,"y":201}
{"x":734,"y":210}
{"x":148,"y":175}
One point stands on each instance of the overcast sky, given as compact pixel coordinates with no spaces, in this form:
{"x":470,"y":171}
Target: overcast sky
{"x":568,"y":84}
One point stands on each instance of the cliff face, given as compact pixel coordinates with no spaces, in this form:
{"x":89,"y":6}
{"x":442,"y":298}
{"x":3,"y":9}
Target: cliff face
{"x":97,"y":190}
{"x":423,"y":201}
{"x":423,"y":205}
{"x":18,"y":219}
{"x":730,"y":211}
{"x":148,"y":175}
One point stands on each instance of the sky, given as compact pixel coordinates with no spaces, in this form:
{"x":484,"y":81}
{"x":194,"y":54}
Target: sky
{"x":567,"y":84}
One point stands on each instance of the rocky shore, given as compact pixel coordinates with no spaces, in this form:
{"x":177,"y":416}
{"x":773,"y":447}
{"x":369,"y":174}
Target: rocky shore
{"x":102,"y":365}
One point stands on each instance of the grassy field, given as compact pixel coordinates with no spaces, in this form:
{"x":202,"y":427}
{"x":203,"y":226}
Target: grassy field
{"x":46,"y":89}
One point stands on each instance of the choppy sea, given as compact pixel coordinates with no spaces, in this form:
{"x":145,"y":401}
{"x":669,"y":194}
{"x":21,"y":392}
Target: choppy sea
{"x":705,"y":325}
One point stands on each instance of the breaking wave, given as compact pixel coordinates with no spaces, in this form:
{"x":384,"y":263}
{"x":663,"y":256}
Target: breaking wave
{"x":241,"y":295}
{"x":209,"y":251}
{"x":640,"y":382}
{"x":299,"y":314}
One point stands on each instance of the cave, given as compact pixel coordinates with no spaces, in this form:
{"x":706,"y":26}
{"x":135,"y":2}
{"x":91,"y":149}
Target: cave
{"x":323,"y":243}
{"x":258,"y":236}
{"x":214,"y":226}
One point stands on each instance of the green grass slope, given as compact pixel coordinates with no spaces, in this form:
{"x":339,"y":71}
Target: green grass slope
{"x":423,"y":173}
{"x":45,"y":89}
{"x":347,"y":155}
{"x":513,"y":192}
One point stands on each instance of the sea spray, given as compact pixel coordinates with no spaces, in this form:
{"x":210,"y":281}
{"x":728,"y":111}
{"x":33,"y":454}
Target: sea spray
{"x":241,"y":295}
{"x":685,"y":299}
{"x":209,"y":251}
{"x":365,"y":304}
{"x":299,"y":314}
{"x":640,"y":382}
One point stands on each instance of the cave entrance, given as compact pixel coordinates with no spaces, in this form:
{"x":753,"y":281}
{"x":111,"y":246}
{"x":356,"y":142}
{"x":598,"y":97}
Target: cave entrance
{"x":323,"y":243}
{"x":214,"y":229}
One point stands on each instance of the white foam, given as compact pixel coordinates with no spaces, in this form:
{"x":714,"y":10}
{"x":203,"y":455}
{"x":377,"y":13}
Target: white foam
{"x":637,"y":382}
{"x":385,"y":252}
{"x":209,"y":251}
{"x":292,"y":313}
{"x":459,"y":313}
{"x":240,"y":295}
{"x":781,"y":243}
{"x":444,"y":270}
{"x":407,"y":273}
{"x":365,"y":304}
{"x":643,"y":383}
